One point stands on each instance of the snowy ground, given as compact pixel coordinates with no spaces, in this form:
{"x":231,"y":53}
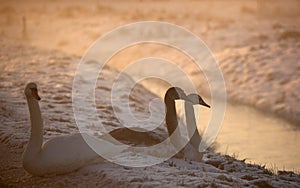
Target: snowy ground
{"x":23,"y":63}
{"x":256,"y":44}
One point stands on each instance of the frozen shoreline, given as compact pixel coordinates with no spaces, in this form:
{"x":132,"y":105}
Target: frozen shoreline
{"x":270,"y":77}
{"x":53,"y":71}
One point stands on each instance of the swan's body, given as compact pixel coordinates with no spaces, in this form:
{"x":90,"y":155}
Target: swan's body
{"x":61,"y":154}
{"x":141,"y":137}
{"x":144,"y":138}
{"x":137,"y":137}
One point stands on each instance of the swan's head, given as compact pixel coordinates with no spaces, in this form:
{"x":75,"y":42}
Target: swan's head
{"x":31,"y":91}
{"x":175,"y":93}
{"x":197,"y":99}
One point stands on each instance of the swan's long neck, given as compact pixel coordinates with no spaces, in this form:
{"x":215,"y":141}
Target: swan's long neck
{"x":36,"y":132}
{"x":172,"y":124}
{"x":193,"y":134}
{"x":171,"y":117}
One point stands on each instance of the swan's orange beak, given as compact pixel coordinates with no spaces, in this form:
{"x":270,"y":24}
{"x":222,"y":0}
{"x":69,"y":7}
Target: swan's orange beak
{"x":35,"y":94}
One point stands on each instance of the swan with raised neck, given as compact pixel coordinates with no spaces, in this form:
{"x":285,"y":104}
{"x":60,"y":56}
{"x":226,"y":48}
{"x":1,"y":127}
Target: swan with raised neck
{"x":61,"y":154}
{"x":172,"y":94}
{"x":149,"y":138}
{"x":141,"y":137}
{"x":190,"y":151}
{"x":193,"y":134}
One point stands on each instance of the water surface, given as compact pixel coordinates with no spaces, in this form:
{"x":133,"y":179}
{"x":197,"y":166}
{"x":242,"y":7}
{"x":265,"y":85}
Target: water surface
{"x":257,"y":137}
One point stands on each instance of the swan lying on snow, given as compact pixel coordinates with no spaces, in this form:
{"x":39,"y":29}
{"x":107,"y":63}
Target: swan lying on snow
{"x":61,"y":154}
{"x":64,"y":154}
{"x":141,"y":137}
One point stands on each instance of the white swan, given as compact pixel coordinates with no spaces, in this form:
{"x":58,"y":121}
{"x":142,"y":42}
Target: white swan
{"x":193,"y":134}
{"x":61,"y":154}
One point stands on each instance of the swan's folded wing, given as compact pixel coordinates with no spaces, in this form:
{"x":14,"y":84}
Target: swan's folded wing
{"x":105,"y":146}
{"x":67,"y":148}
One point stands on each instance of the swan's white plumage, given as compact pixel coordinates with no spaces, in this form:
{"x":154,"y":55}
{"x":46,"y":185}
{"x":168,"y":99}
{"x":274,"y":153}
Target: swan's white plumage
{"x":64,"y":154}
{"x":191,"y":150}
{"x":60,"y":154}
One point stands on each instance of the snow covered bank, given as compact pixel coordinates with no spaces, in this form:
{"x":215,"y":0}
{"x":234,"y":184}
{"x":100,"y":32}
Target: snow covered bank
{"x":54,"y":72}
{"x":256,"y":43}
{"x":266,"y":76}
